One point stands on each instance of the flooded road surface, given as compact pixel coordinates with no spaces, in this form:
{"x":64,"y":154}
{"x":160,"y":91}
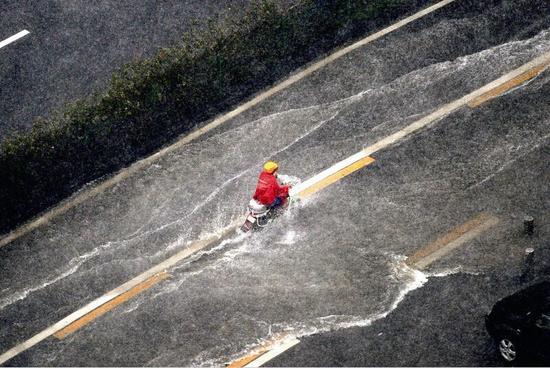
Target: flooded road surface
{"x":333,"y":261}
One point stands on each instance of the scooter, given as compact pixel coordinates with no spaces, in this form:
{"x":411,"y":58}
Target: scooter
{"x":259,"y":215}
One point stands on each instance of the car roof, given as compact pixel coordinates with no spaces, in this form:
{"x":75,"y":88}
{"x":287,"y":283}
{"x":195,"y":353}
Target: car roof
{"x":534,"y":297}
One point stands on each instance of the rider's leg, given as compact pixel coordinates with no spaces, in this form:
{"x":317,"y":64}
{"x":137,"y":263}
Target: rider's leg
{"x":276,"y":203}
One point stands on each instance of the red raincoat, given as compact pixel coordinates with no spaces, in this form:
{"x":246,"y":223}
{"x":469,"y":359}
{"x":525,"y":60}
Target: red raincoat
{"x":268,"y":189}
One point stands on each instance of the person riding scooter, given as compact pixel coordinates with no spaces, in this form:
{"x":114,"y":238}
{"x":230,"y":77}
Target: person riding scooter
{"x":270,"y":195}
{"x":268,"y":190}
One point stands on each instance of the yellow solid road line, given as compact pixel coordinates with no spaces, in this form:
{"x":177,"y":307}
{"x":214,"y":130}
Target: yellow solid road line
{"x":335,"y":177}
{"x":456,"y":237}
{"x":520,"y":79}
{"x":125,"y":173}
{"x":61,"y":334}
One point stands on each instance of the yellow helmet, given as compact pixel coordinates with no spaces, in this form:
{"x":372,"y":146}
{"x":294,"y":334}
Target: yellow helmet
{"x":270,"y":167}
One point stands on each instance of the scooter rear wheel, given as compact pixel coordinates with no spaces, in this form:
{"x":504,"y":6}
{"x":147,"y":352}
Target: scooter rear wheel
{"x":247,"y":226}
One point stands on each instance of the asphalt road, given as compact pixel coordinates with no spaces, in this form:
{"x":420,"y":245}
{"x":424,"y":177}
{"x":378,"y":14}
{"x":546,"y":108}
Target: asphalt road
{"x":442,"y":322}
{"x":331,"y":269}
{"x":74,"y":47}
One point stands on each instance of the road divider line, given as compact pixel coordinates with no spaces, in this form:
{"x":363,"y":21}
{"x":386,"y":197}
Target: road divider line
{"x":242,"y":362}
{"x":541,"y":61}
{"x":88,"y":318}
{"x":160,"y":268}
{"x":295,"y":191}
{"x":457,"y":237}
{"x":117,"y":296}
{"x":125,"y":173}
{"x":306,"y":192}
{"x":14,"y":38}
{"x":265,"y":353}
{"x":272,"y":353}
{"x":519,"y":80}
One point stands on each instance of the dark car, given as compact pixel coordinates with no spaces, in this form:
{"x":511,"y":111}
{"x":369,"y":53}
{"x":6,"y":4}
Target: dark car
{"x":520,"y":324}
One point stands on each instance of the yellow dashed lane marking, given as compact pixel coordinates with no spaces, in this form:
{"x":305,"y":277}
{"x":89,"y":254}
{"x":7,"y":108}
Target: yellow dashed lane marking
{"x":335,"y":177}
{"x":497,"y":91}
{"x":83,"y":321}
{"x":456,"y":237}
{"x":329,"y":179}
{"x":265,"y":352}
{"x":146,"y":162}
{"x":246,"y":360}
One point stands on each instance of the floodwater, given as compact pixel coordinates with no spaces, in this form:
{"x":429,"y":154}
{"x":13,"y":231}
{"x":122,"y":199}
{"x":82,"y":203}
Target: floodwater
{"x":332,"y":261}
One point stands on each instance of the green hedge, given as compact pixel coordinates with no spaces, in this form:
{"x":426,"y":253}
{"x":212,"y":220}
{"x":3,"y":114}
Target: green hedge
{"x":150,"y":102}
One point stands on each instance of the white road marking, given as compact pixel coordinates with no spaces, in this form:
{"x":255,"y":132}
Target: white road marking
{"x":14,"y":38}
{"x":190,"y":250}
{"x":428,"y":260}
{"x":125,"y":173}
{"x":193,"y":248}
{"x":543,"y":60}
{"x":461,"y":240}
{"x":272,"y":353}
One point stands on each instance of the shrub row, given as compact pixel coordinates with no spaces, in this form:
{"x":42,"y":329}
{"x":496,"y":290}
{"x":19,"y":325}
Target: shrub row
{"x":150,"y":102}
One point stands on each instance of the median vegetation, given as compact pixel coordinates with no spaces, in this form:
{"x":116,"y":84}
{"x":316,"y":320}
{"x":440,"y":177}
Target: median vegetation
{"x":148,"y":103}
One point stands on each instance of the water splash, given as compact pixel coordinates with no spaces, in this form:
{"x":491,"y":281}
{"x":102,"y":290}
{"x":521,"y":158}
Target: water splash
{"x":515,"y":157}
{"x":412,"y":279}
{"x":73,"y":265}
{"x":288,"y":239}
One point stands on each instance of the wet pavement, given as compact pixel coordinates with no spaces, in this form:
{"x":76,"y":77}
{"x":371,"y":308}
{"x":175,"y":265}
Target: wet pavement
{"x":442,"y":323}
{"x":331,"y":270}
{"x":74,"y":47}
